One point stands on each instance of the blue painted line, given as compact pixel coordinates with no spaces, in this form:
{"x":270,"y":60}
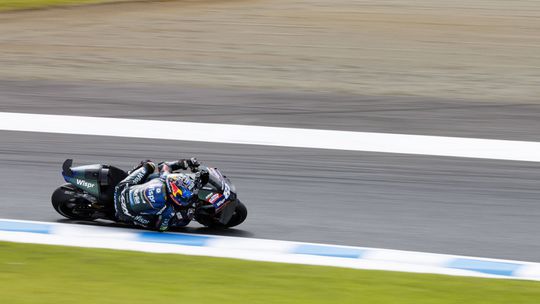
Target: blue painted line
{"x":25,"y":227}
{"x":173,"y":238}
{"x":330,"y":251}
{"x":489,"y":267}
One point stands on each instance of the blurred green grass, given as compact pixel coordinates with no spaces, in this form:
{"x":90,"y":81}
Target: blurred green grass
{"x":29,"y":4}
{"x":54,"y":274}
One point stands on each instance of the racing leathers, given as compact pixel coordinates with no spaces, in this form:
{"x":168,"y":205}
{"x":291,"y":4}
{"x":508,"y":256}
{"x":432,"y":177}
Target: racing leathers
{"x":142,"y":198}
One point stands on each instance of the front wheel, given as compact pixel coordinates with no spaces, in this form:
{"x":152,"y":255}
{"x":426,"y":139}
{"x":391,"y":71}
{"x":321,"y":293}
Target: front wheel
{"x":239,"y":216}
{"x":67,"y":201}
{"x":210,"y":220}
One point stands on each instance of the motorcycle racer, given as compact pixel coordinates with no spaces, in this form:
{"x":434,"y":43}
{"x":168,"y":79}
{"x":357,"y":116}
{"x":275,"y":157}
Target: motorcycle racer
{"x":152,"y":196}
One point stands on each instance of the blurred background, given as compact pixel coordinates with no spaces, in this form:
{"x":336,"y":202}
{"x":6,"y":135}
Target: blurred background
{"x":475,"y":49}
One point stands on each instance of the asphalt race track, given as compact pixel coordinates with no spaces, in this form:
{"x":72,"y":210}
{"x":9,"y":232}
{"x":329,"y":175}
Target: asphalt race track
{"x":435,"y":204}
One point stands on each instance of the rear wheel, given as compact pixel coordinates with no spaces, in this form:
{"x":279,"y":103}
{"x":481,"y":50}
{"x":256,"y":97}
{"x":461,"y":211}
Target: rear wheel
{"x":68,"y":202}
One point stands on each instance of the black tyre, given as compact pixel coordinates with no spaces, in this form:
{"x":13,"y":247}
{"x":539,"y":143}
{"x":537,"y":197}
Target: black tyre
{"x":65,"y":199}
{"x":209,"y":220}
{"x":239,"y":216}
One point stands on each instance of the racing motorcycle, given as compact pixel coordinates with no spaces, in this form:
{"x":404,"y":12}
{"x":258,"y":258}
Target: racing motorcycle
{"x":89,"y":195}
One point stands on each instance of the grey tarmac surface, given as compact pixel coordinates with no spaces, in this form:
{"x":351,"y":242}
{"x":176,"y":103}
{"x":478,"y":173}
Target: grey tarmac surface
{"x":435,"y":204}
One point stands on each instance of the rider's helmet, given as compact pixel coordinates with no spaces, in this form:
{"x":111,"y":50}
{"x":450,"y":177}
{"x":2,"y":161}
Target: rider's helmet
{"x":180,"y":188}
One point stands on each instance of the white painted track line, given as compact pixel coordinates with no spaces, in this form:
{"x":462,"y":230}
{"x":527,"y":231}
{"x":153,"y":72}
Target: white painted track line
{"x":264,"y":250}
{"x":273,"y":136}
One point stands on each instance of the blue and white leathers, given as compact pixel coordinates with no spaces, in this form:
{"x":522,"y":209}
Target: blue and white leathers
{"x":143,"y":202}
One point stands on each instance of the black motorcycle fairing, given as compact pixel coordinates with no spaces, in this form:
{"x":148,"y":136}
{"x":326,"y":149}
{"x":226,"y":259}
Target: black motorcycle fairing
{"x":98,"y":180}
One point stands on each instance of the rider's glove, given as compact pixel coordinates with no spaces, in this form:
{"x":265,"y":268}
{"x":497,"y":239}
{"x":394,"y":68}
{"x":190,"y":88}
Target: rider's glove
{"x":193,"y":163}
{"x":189,"y":163}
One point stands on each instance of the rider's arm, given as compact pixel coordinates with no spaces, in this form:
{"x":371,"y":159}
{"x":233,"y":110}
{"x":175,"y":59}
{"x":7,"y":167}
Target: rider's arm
{"x":139,"y":175}
{"x":182,"y":164}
